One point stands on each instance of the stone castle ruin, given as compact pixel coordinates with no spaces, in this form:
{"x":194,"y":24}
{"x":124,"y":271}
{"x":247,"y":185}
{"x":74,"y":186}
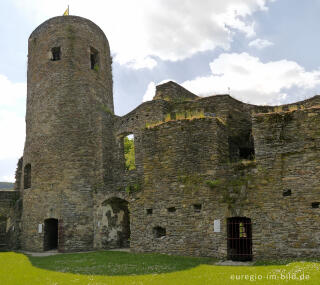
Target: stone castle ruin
{"x":212,"y":176}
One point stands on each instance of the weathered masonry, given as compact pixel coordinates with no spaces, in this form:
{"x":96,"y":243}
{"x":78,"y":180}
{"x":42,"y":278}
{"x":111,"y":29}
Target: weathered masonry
{"x":206,"y":176}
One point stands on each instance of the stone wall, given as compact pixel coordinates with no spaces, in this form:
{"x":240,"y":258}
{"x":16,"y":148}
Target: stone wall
{"x":178,"y":158}
{"x":8,"y":201}
{"x":288,"y":156}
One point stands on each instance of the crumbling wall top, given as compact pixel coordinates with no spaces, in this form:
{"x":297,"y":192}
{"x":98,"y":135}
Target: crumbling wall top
{"x":171,"y":91}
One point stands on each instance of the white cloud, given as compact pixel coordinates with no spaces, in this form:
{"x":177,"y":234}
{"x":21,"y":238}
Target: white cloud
{"x":256,"y":82}
{"x":12,"y":125}
{"x":11,"y":93}
{"x":260,"y":43}
{"x":150,"y":92}
{"x":7,"y":178}
{"x":141,"y":30}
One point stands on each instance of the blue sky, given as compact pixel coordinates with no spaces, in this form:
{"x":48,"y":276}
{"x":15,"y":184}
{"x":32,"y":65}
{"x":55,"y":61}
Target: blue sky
{"x":263,"y":51}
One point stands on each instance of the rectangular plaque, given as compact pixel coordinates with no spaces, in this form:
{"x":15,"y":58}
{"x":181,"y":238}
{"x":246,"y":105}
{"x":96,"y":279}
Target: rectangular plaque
{"x":216,"y":226}
{"x":40,"y":228}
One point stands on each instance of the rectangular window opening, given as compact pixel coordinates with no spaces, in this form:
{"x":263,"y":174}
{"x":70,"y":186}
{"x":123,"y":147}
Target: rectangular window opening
{"x":171,"y":209}
{"x":129,"y":152}
{"x":286,"y":192}
{"x":159,"y":232}
{"x":94,"y":59}
{"x":197,"y":207}
{"x":241,"y":148}
{"x":149,"y":211}
{"x":315,"y":205}
{"x":55,"y":54}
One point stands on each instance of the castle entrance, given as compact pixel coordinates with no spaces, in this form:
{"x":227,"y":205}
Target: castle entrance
{"x":50,"y":234}
{"x":239,"y":239}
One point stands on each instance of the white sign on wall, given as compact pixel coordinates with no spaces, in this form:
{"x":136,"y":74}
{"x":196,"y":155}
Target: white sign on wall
{"x":40,"y":228}
{"x":216,"y":226}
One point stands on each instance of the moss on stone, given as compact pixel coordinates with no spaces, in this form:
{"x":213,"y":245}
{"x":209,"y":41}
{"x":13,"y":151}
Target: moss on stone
{"x":134,"y":187}
{"x":213,"y":183}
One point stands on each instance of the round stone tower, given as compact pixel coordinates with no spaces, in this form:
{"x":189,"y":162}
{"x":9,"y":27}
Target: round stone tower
{"x":69,"y":113}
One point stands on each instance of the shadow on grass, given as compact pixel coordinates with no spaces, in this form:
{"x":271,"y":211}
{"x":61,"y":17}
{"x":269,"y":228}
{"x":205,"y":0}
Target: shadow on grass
{"x":114,"y":263}
{"x":286,"y":261}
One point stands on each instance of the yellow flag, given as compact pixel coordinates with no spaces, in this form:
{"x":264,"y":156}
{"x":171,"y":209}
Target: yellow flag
{"x":66,"y":13}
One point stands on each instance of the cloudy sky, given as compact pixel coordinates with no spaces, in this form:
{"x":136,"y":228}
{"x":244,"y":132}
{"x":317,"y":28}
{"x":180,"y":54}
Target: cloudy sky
{"x":259,"y":51}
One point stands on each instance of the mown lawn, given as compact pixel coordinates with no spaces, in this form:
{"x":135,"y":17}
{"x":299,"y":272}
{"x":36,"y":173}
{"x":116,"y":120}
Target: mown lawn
{"x":125,"y":268}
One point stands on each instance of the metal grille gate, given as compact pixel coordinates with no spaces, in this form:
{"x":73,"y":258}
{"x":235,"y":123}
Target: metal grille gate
{"x":239,"y":239}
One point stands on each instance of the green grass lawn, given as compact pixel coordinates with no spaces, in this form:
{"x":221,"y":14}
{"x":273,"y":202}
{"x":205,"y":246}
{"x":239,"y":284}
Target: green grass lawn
{"x":108,"y":267}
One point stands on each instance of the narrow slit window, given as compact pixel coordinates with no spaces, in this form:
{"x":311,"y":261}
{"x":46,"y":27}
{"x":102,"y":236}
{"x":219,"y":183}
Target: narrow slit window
{"x":94,"y":59}
{"x":129,"y":152}
{"x":55,"y":53}
{"x":27,"y":176}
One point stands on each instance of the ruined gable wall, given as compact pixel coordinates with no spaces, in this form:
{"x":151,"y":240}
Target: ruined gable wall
{"x":172,"y":91}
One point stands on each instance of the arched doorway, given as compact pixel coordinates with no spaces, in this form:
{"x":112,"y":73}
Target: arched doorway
{"x":50,"y":234}
{"x":239,"y":239}
{"x":115,"y":223}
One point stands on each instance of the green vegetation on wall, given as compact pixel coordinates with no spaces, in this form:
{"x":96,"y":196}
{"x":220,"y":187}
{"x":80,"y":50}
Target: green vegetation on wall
{"x":132,"y":188}
{"x":213,"y":183}
{"x":106,"y":109}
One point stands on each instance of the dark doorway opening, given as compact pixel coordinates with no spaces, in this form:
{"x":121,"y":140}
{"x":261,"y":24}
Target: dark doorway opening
{"x":239,"y":239}
{"x":50,"y":234}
